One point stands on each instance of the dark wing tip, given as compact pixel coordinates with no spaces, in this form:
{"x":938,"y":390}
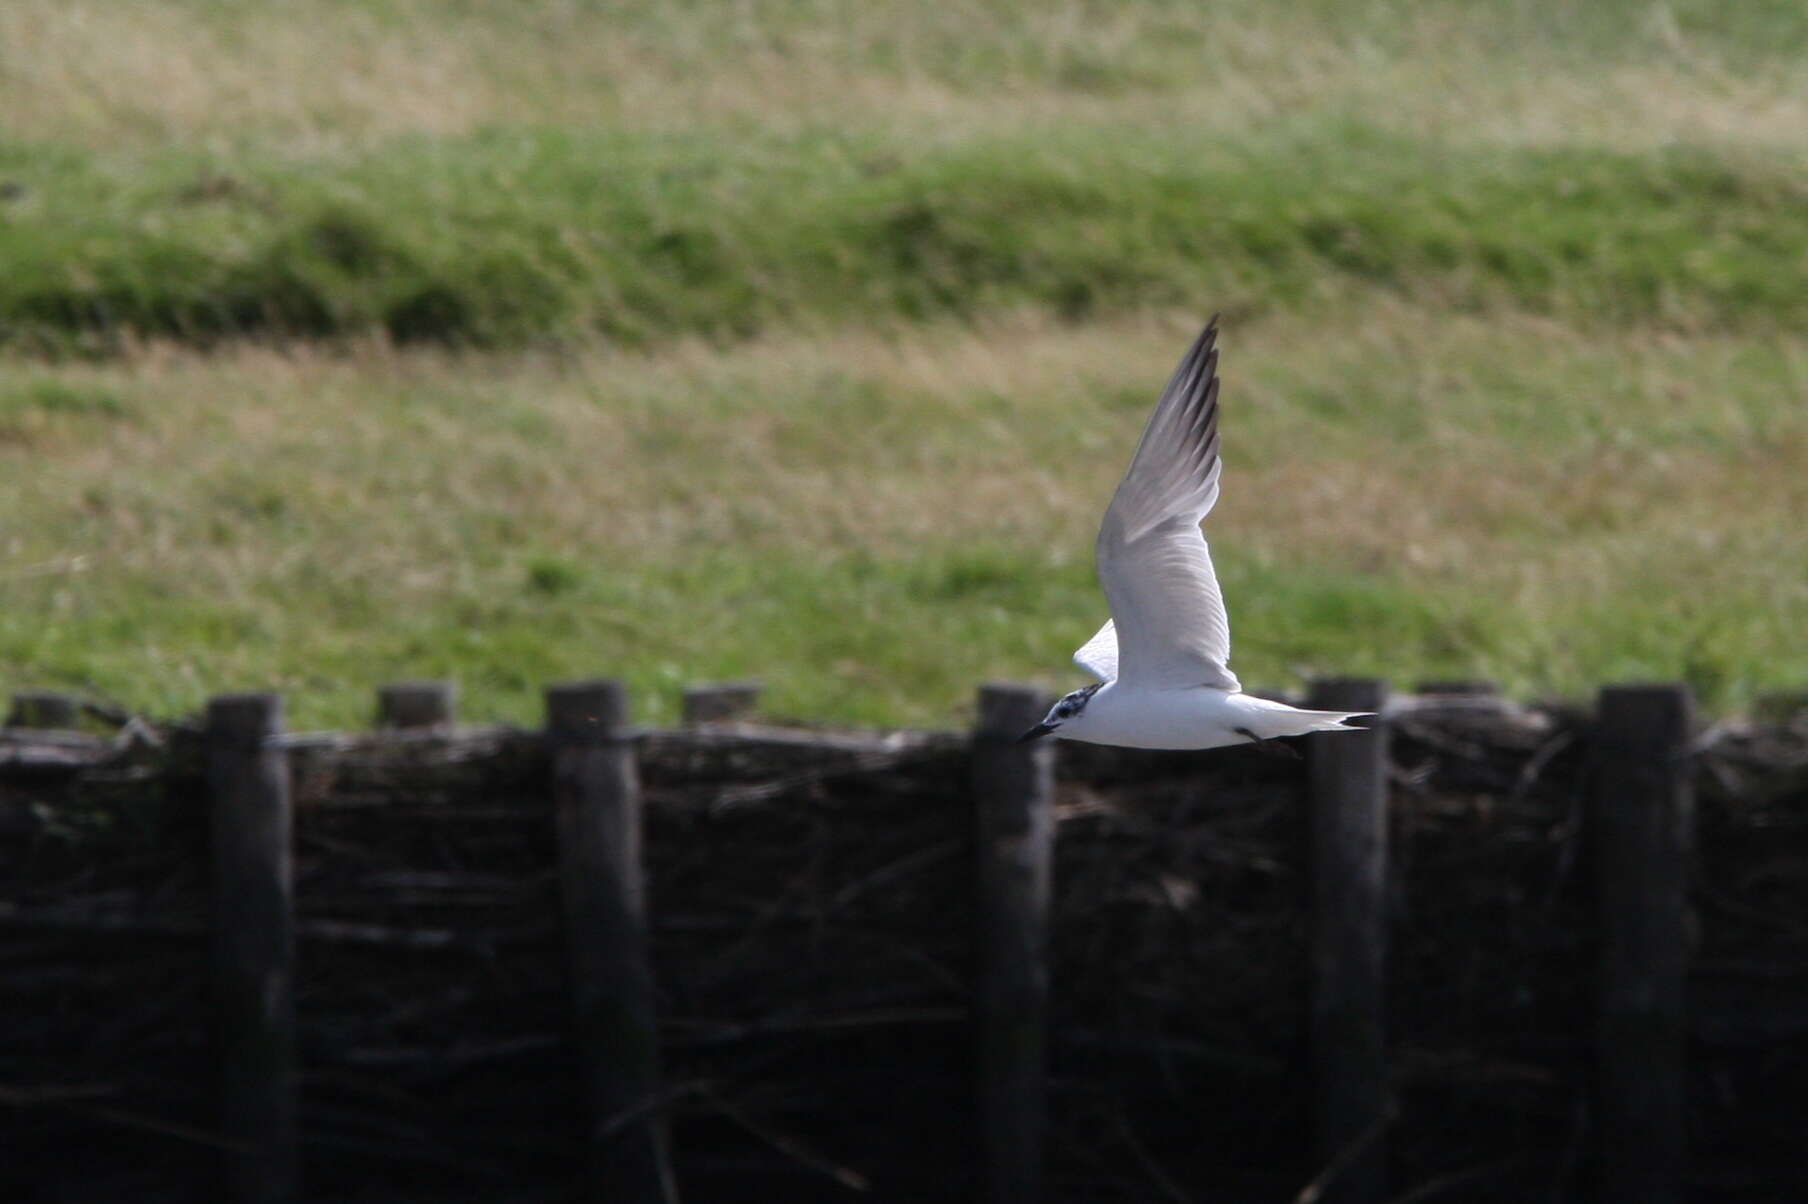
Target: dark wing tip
{"x":1208,"y":337}
{"x":1198,"y":368}
{"x":1186,"y":418}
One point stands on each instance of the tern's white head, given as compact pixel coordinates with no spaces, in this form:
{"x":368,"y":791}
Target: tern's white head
{"x":1065,"y":711}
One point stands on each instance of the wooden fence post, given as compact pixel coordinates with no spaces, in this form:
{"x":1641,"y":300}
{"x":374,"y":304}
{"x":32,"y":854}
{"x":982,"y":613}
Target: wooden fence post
{"x":1013,"y":790}
{"x":1348,"y":866}
{"x":416,"y":704}
{"x":253,"y":945}
{"x":596,"y":796}
{"x":720,"y":700}
{"x":1644,"y":816}
{"x":43,"y":709}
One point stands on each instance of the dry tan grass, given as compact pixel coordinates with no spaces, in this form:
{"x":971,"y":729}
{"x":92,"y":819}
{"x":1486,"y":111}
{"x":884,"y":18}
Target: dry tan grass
{"x":1016,"y":429}
{"x":317,"y":74}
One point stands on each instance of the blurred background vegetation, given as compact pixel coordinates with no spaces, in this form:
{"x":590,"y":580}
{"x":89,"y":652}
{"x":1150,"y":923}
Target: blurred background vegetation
{"x":345,"y":341}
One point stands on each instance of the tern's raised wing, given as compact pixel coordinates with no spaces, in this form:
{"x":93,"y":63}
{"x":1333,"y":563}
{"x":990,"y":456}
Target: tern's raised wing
{"x":1098,"y":656}
{"x":1153,"y":562}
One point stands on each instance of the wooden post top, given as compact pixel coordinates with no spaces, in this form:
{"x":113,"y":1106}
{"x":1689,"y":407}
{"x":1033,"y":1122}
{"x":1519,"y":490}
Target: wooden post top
{"x":1348,"y":694}
{"x":245,"y":718}
{"x":1645,"y":714}
{"x":1463,"y":687}
{"x":416,"y":704}
{"x":1008,"y":709}
{"x":720,"y":700}
{"x":586,"y":711}
{"x":43,"y":709}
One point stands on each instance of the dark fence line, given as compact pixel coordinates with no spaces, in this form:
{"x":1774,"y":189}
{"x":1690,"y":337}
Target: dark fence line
{"x":1641,"y":811}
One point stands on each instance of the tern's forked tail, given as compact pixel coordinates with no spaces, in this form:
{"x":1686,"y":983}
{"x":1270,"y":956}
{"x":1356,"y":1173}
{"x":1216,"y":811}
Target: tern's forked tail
{"x":1276,"y":719}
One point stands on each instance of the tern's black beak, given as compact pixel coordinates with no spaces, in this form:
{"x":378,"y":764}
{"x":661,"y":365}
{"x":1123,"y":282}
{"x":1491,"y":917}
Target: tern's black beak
{"x":1040,"y":730}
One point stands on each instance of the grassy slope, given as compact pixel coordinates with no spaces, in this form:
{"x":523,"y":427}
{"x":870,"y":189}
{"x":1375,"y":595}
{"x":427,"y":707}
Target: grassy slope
{"x":1515,"y":376}
{"x":501,"y":237}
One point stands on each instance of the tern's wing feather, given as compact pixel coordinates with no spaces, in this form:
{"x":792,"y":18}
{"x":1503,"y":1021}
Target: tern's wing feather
{"x":1157,"y":572}
{"x":1098,"y":656}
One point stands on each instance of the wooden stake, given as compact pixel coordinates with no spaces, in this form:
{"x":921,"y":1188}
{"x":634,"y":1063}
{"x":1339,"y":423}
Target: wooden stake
{"x":596,"y":795}
{"x":253,"y":946}
{"x":720,"y":700}
{"x":44,"y":709}
{"x":416,"y":704}
{"x":1013,"y":790}
{"x":1348,"y":866}
{"x":1644,"y":817}
{"x":1463,"y":688}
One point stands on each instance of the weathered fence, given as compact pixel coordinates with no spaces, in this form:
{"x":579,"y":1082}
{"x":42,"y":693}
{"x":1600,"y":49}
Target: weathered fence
{"x":1622,"y":780}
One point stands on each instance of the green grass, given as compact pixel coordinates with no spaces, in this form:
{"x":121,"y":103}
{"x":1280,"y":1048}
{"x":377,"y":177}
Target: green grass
{"x":505,"y":239}
{"x":804,"y":339}
{"x":31,"y":404}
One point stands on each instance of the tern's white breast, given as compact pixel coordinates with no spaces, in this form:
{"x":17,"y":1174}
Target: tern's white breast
{"x":1194,"y":717}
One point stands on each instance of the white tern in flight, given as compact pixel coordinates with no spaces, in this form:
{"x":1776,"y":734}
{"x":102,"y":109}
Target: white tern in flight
{"x":1162,"y":658}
